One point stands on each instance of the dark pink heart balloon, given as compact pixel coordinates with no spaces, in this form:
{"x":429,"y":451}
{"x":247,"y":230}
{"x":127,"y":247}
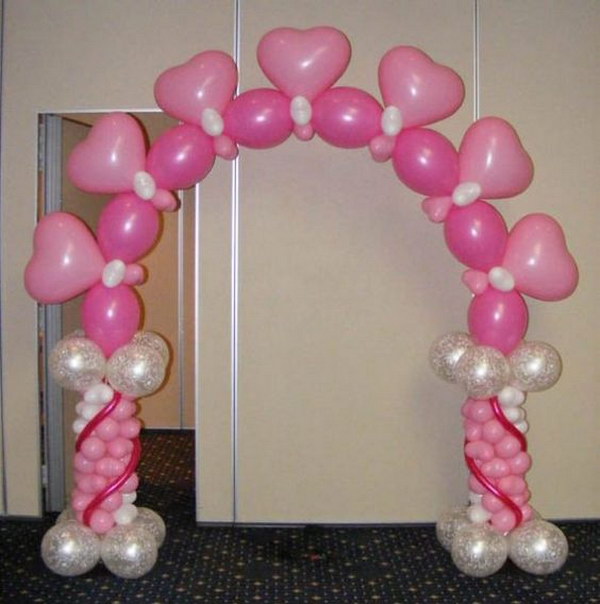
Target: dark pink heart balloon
{"x":423,"y":90}
{"x":538,"y":258}
{"x":207,"y":81}
{"x":108,"y":159}
{"x":304,"y":62}
{"x":66,"y":259}
{"x":491,"y":154}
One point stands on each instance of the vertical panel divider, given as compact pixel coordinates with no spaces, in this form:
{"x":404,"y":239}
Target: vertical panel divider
{"x":476,"y":61}
{"x":235,"y":217}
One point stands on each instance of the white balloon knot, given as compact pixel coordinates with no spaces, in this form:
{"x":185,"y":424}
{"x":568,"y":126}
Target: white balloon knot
{"x":114,"y":273}
{"x":501,"y":279}
{"x":466,"y":193}
{"x":300,"y":110}
{"x":212,"y":122}
{"x":144,"y":185}
{"x":99,"y":394}
{"x":510,"y":396}
{"x":391,"y":120}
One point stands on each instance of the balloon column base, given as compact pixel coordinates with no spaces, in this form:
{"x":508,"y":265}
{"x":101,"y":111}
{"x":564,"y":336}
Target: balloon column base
{"x":128,"y":551}
{"x":537,"y":546}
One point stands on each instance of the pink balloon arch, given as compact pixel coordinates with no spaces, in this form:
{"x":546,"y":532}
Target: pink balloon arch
{"x":111,"y":363}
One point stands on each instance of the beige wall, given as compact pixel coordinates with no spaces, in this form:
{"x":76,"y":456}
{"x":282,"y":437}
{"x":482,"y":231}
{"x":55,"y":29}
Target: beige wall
{"x":343,"y":283}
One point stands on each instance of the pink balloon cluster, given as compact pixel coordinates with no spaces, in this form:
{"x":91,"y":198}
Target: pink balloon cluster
{"x":107,"y":453}
{"x":496,"y":454}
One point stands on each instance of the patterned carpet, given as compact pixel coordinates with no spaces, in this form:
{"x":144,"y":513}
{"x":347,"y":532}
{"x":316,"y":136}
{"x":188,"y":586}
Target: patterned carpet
{"x":247,"y":565}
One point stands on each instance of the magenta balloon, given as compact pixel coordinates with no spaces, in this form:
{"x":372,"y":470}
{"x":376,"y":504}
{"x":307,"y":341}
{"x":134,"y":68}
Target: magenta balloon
{"x":180,"y":157}
{"x":347,"y":117}
{"x":476,"y":235}
{"x":259,"y":118}
{"x":426,"y":162}
{"x":110,"y":316}
{"x":498,"y":319}
{"x":127,"y":228}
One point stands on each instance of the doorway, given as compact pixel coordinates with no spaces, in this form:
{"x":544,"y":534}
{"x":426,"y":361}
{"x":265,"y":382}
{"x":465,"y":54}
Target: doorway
{"x":168,"y":296}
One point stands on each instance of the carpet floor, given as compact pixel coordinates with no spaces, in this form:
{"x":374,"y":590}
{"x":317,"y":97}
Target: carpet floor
{"x":279,"y":565}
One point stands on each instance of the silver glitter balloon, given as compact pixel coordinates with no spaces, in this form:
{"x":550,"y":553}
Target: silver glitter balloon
{"x":479,"y":551}
{"x":449,"y":523}
{"x":70,"y":549}
{"x":129,"y":551}
{"x":135,"y":370}
{"x":538,"y":547}
{"x":154,"y":341}
{"x":77,"y":363}
{"x":445,"y":353}
{"x":536,"y":366}
{"x":151,"y":521}
{"x":66,"y":515}
{"x":483,"y":371}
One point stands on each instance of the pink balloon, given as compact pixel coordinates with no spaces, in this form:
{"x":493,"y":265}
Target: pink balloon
{"x":80,"y":500}
{"x":131,"y":484}
{"x":110,"y":316}
{"x":346,"y":117}
{"x":206,"y":81}
{"x":124,"y":410}
{"x":66,"y":259}
{"x":481,"y":411}
{"x":108,"y":159}
{"x":520,"y":463}
{"x":498,"y":319}
{"x":512,"y":485}
{"x":128,"y":228}
{"x":107,"y":429}
{"x":480,"y":449}
{"x":303,"y":62}
{"x":504,"y":521}
{"x":472,"y":429}
{"x":426,"y":162}
{"x":130,"y":428}
{"x":491,"y":154}
{"x":112,"y":503}
{"x":119,"y":447}
{"x":180,"y":157}
{"x":476,"y":235}
{"x":538,"y":258}
{"x":101,"y":521}
{"x":495,"y":468}
{"x":423,"y":90}
{"x":82,"y":464}
{"x":491,"y":503}
{"x":93,"y":448}
{"x":508,"y":447}
{"x":493,"y":431}
{"x":109,"y":467}
{"x":259,"y":119}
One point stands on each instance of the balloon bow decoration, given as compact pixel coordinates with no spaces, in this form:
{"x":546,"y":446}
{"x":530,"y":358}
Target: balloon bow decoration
{"x":111,"y":363}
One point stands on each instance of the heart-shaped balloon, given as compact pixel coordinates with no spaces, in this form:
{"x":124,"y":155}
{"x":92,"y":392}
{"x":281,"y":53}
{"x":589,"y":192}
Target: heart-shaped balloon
{"x":66,"y":259}
{"x":491,"y":155}
{"x":538,"y":258}
{"x":303,"y":62}
{"x":207,"y":81}
{"x":423,"y":90}
{"x":108,"y":159}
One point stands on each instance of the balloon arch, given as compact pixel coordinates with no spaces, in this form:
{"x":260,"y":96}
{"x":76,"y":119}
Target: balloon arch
{"x":110,"y":363}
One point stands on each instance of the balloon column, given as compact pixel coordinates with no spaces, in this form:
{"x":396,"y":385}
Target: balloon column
{"x":111,"y":363}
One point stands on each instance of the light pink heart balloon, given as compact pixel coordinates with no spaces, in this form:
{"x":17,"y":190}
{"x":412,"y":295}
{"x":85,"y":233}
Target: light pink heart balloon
{"x":207,"y":81}
{"x":491,"y":154}
{"x":66,"y":259}
{"x":538,"y":258}
{"x":423,"y":90}
{"x":304,"y":62}
{"x":108,"y":159}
